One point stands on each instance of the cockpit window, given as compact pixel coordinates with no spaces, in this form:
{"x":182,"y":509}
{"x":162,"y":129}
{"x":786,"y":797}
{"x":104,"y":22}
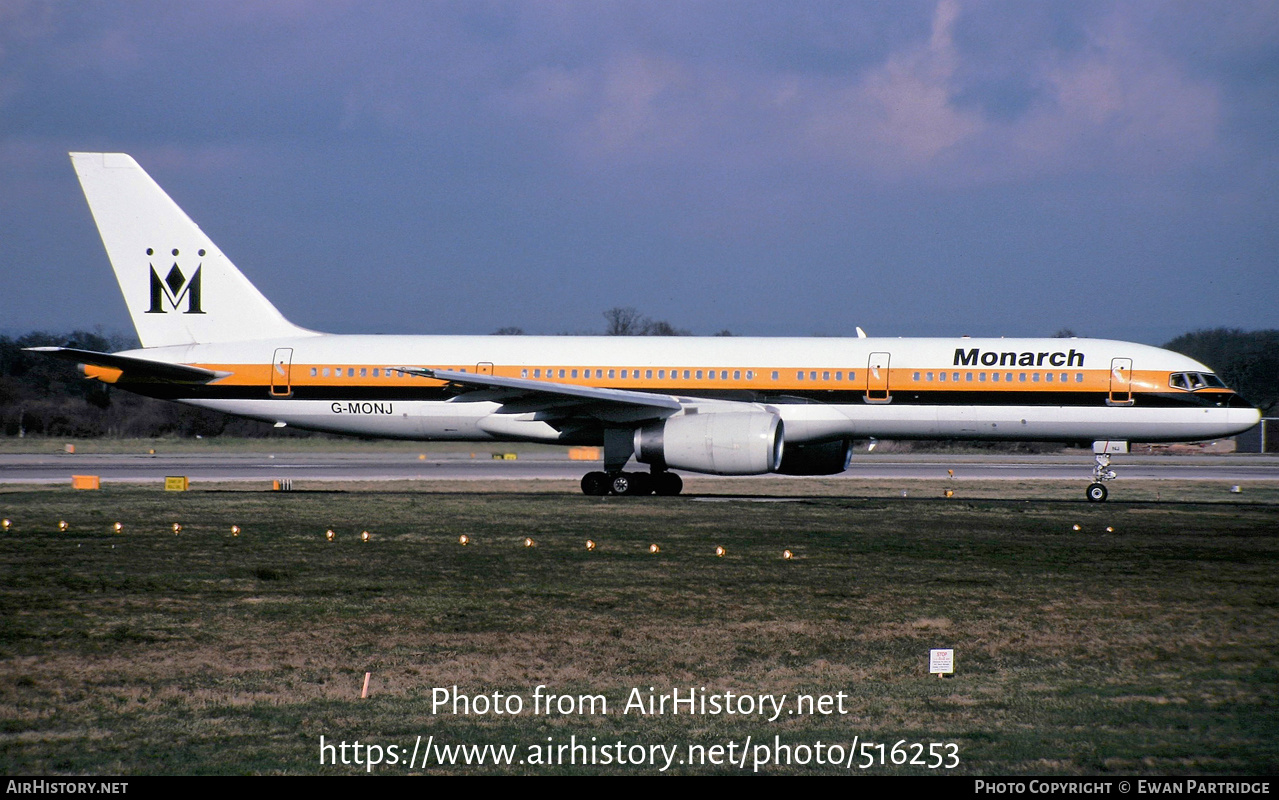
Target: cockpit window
{"x":1191,"y":381}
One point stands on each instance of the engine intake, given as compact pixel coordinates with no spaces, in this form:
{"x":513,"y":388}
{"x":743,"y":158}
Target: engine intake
{"x":719,"y":443}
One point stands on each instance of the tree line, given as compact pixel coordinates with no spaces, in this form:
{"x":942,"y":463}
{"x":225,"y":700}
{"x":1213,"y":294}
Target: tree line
{"x":48,"y":397}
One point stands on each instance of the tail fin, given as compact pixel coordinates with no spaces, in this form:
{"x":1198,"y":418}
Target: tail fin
{"x":178,"y":285}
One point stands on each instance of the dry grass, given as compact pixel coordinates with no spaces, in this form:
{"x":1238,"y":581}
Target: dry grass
{"x":1145,"y":650}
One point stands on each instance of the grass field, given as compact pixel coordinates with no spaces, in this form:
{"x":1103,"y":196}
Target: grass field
{"x":1146,"y":649}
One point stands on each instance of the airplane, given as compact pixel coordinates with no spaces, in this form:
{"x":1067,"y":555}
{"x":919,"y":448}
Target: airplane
{"x":714,"y":405}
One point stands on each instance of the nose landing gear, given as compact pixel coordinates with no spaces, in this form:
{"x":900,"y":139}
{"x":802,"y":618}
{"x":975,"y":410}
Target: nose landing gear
{"x":1101,"y":471}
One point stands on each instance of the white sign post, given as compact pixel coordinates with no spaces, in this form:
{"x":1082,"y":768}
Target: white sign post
{"x":941,"y":662}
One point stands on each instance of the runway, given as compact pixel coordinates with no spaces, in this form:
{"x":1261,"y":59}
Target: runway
{"x":213,"y":467}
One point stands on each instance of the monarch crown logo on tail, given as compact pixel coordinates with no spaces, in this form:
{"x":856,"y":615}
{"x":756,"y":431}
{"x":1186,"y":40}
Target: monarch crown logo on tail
{"x":174,"y":287}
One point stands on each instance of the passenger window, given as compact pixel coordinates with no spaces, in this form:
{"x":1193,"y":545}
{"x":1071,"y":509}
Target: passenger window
{"x":955,"y":377}
{"x":941,"y":376}
{"x":699,"y":374}
{"x":1021,"y":376}
{"x":774,"y":374}
{"x":737,"y":374}
{"x":914,"y":377}
{"x":524,"y":373}
{"x":687,"y":373}
{"x":812,"y":375}
{"x":1034,"y":378}
{"x":750,"y":374}
{"x":611,"y":373}
{"x":825,"y":376}
{"x":1049,"y":377}
{"x":350,"y":372}
{"x":968,"y":377}
{"x":648,"y":373}
{"x":1064,"y":377}
{"x":839,"y":376}
{"x":364,"y":372}
{"x":994,"y":377}
{"x":325,"y":372}
{"x":537,"y":373}
{"x":375,"y":372}
{"x":928,"y":376}
{"x":313,"y":371}
{"x":981,"y":377}
{"x":574,"y":373}
{"x":661,"y":373}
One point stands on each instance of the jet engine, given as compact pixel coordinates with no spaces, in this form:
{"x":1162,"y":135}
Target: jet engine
{"x":719,"y":443}
{"x":817,"y":458}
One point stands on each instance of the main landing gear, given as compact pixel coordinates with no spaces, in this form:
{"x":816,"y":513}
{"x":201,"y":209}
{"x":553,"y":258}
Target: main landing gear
{"x":661,"y":482}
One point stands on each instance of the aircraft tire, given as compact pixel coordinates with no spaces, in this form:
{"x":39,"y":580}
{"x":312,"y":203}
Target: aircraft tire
{"x":621,"y":483}
{"x":1096,"y":493}
{"x":595,"y":484}
{"x":667,"y":484}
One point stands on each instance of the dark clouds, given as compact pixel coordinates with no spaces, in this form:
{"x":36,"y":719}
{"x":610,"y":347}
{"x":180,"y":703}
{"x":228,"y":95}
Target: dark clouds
{"x":915,"y":168}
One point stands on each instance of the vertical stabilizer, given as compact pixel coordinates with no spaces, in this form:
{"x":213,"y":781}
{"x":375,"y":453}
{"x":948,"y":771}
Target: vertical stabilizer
{"x":178,"y":285}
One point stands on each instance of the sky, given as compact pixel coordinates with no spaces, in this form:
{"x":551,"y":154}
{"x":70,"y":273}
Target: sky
{"x":936,"y":168}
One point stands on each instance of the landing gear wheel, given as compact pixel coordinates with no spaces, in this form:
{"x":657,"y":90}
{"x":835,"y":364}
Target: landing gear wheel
{"x":667,"y":484}
{"x":641,"y":483}
{"x":595,"y":484}
{"x":622,"y":483}
{"x":1096,"y":493}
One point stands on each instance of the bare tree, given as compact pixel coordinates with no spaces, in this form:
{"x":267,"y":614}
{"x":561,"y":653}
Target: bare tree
{"x":623,"y":321}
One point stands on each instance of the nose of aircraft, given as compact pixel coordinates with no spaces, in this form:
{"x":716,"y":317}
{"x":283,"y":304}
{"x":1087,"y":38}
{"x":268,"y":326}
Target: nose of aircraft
{"x":1244,"y":418}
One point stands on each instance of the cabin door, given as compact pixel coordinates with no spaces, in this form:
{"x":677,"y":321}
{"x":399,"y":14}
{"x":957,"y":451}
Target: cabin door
{"x":484,"y":368}
{"x":281,"y":368}
{"x":877,"y":378}
{"x":1120,"y":381}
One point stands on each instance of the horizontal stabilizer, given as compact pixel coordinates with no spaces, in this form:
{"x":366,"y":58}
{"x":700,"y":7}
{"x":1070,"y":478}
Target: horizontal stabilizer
{"x":134,"y":369}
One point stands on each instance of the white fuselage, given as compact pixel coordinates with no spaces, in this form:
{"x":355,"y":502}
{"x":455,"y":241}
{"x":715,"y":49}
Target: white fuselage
{"x":822,"y":389}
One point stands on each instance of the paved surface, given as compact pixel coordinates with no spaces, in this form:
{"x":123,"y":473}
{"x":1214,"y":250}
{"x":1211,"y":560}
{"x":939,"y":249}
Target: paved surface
{"x":396,"y":466}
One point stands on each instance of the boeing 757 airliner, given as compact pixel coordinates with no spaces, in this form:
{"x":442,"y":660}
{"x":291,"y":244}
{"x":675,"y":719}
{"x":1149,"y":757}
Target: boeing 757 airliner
{"x":720,"y":405}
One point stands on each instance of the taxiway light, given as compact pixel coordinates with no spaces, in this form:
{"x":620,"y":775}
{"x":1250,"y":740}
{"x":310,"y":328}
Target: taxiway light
{"x":464,"y":540}
{"x":787,"y":555}
{"x":1109,"y":529}
{"x":6,"y":524}
{"x":529,"y":542}
{"x":950,"y":492}
{"x":590,"y":544}
{"x":365,"y":536}
{"x":329,"y":534}
{"x":719,"y":551}
{"x":63,"y":525}
{"x":653,"y":548}
{"x":118,"y":527}
{"x":1076,"y":527}
{"x":235,"y":530}
{"x":177,"y":527}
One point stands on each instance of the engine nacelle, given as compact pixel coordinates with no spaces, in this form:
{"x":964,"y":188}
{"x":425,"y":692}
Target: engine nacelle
{"x":719,"y":443}
{"x":818,"y":458}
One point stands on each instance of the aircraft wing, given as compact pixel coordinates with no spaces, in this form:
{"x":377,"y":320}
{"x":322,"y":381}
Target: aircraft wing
{"x":550,"y":394}
{"x":135,"y":369}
